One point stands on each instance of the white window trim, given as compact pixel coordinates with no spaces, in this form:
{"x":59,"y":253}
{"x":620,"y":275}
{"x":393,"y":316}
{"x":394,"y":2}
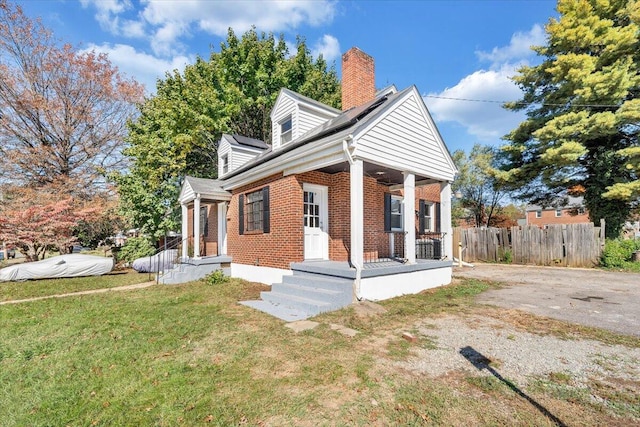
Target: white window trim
{"x":538,"y":214}
{"x":401,"y":213}
{"x":289,"y":132}
{"x":225,"y":163}
{"x":428,"y":206}
{"x":558,"y":213}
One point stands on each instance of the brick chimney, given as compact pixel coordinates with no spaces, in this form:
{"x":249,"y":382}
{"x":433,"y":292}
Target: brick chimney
{"x":358,"y":78}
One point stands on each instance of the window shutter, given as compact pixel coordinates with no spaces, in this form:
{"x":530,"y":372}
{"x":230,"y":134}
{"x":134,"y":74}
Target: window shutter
{"x":266,"y":214}
{"x":387,"y":212}
{"x":438,"y":228}
{"x":241,"y":214}
{"x":421,"y":215}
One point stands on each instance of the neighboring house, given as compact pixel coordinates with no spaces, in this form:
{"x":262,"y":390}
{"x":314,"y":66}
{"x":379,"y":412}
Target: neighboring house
{"x":570,"y":211}
{"x":342,"y":205}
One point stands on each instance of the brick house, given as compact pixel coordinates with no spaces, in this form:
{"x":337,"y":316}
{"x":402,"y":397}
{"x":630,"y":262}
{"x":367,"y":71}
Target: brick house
{"x":571,"y":211}
{"x":321,"y":213}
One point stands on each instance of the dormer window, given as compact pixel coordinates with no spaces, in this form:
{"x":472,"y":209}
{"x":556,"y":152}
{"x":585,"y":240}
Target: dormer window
{"x":286,"y":130}
{"x":225,"y":163}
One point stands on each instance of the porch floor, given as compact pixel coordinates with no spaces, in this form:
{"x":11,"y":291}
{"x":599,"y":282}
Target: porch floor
{"x":374,"y":269}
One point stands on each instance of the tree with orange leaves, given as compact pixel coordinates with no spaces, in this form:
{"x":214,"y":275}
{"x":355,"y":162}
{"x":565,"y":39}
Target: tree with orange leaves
{"x":37,"y":221}
{"x":63,"y":113}
{"x":63,"y":116}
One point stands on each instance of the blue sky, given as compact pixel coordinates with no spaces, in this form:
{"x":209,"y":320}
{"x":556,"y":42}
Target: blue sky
{"x":454,"y":49}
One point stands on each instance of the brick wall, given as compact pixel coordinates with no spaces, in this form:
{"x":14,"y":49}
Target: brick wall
{"x":549,"y":218}
{"x":358,"y":78}
{"x":284,"y":244}
{"x":285,"y":241}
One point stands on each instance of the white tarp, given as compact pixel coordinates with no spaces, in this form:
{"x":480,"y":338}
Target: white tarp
{"x":161,"y":261}
{"x":72,"y":265}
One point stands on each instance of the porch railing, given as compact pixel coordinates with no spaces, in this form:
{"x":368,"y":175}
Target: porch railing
{"x":386,"y":246}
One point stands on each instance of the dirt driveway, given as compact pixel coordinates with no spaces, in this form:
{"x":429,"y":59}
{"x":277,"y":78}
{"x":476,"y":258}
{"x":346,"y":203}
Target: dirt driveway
{"x":603,"y":299}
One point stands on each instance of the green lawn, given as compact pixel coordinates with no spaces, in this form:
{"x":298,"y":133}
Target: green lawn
{"x":190,"y":355}
{"x":39,"y":288}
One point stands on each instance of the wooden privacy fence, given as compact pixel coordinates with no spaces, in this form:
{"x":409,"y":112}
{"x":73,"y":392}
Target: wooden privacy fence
{"x":569,"y":245}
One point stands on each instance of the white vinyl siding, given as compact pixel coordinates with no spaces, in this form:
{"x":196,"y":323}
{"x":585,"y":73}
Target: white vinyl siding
{"x":237,"y":156}
{"x":224,"y":149}
{"x":308,"y":120}
{"x":303,"y":118}
{"x":240,"y":157}
{"x":286,"y":107}
{"x":407,"y":139}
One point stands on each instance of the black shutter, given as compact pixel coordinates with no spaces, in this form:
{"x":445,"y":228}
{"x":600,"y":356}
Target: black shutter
{"x":266,"y":215}
{"x":241,"y":214}
{"x":438,"y":228}
{"x":387,"y":212}
{"x":421,"y":215}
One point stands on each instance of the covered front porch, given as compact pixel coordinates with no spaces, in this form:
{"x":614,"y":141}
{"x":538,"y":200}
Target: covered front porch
{"x":203,"y":205}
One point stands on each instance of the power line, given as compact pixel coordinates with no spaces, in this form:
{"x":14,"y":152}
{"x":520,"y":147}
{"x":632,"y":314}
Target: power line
{"x":450,"y":98}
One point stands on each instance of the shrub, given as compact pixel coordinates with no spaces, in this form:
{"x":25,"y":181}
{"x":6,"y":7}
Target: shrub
{"x":216,"y":278}
{"x":134,"y":248}
{"x":617,"y":253}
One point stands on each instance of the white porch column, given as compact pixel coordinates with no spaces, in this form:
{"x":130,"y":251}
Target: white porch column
{"x":185,"y":231}
{"x":356,"y":173}
{"x":445,"y":219}
{"x":222,"y":228}
{"x":409,"y":217}
{"x":196,"y":227}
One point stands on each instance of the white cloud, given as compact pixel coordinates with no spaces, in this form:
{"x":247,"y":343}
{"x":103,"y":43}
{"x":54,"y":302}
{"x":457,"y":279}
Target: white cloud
{"x":517,"y":50}
{"x":108,"y":14}
{"x":486,"y":121}
{"x":145,"y":68}
{"x":328,"y":46}
{"x":164,"y":23}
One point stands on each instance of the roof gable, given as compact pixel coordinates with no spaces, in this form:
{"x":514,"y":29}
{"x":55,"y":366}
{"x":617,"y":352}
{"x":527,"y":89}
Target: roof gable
{"x":403,"y":132}
{"x":193,"y":187}
{"x":302,"y":100}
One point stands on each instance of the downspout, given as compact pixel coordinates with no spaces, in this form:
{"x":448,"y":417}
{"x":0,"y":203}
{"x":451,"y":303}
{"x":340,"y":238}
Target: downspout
{"x":358,"y":267}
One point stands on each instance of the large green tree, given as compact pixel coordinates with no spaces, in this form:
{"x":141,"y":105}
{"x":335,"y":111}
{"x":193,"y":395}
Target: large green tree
{"x":583,"y":112}
{"x":177,"y":131}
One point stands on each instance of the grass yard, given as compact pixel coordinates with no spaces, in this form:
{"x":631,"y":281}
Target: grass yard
{"x":190,"y":355}
{"x":39,"y":288}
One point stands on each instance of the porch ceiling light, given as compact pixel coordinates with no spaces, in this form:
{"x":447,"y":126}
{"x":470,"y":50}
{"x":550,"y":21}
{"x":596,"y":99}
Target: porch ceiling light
{"x":380,"y":173}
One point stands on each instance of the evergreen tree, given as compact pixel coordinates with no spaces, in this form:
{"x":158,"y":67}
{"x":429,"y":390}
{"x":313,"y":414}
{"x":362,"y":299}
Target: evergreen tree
{"x":581,"y":134}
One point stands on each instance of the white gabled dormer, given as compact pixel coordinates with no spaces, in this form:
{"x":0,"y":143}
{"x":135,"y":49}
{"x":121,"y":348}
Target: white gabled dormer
{"x":234,"y":151}
{"x":293,"y":115}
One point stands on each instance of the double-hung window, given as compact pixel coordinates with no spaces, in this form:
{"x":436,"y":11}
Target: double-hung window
{"x":396,"y":214}
{"x":225,"y":163}
{"x":286,"y":131}
{"x":253,"y":211}
{"x":204,"y":221}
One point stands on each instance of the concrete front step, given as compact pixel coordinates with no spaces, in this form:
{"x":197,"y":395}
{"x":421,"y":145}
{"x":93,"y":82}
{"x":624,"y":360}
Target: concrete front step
{"x":287,"y":314}
{"x":318,"y":281}
{"x":305,"y":293}
{"x":307,"y":305}
{"x":309,"y":292}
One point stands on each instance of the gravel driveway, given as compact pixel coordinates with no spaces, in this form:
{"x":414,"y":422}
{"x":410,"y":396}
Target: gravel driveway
{"x":608,"y":300}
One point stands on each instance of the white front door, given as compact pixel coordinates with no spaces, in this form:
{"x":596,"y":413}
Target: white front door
{"x":316,"y":224}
